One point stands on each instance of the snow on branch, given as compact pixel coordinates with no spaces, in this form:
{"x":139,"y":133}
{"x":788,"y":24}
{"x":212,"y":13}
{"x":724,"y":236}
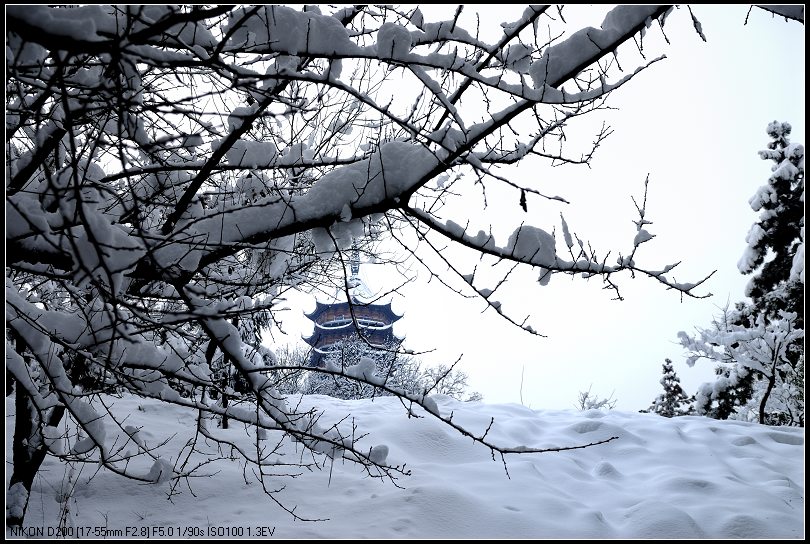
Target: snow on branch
{"x":173,"y":171}
{"x":795,"y":12}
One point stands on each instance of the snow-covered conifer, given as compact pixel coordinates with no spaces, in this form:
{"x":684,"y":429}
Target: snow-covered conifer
{"x":762,"y":376}
{"x":673,"y":401}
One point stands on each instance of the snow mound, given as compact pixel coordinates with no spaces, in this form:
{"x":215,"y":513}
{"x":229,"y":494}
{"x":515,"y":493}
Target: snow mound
{"x":686,"y":477}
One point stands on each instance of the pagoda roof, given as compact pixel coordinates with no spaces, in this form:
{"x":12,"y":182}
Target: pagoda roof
{"x":380,"y":334}
{"x":327,"y":352}
{"x":321,"y":307}
{"x":350,"y":325}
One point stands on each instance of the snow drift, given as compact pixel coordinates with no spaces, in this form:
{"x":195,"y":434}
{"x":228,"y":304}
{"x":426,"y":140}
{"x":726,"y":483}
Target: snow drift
{"x":686,"y":477}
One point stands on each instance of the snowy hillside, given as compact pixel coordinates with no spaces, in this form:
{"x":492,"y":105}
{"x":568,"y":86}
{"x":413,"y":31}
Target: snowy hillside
{"x":687,"y":477}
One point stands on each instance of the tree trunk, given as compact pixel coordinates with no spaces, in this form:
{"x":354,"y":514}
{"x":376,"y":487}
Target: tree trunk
{"x":9,"y":383}
{"x":28,"y":450}
{"x":225,"y":398}
{"x":771,"y":383}
{"x":226,"y":379}
{"x":210,"y":351}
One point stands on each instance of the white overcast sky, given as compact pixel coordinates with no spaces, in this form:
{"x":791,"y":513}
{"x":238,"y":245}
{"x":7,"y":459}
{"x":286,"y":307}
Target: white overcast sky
{"x":694,"y":122}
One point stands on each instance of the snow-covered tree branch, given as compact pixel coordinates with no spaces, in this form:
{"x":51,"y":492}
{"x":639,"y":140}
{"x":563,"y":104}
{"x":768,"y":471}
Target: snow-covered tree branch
{"x":173,"y":171}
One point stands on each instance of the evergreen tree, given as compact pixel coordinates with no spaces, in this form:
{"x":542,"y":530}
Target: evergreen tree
{"x":734,"y":387}
{"x":673,"y":401}
{"x":763,"y":340}
{"x":777,"y":284}
{"x":777,"y":234}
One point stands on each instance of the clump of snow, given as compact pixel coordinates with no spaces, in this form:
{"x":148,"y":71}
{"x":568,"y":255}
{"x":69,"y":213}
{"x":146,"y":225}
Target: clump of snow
{"x":569,"y":241}
{"x":239,"y":116}
{"x":450,"y":139}
{"x":417,"y":18}
{"x":750,"y":256}
{"x":393,"y":168}
{"x":161,"y":471}
{"x":82,"y":445}
{"x":764,"y":195}
{"x":252,"y":154}
{"x":532,"y":245}
{"x":430,"y":405}
{"x":788,"y":169}
{"x":135,"y":435}
{"x":53,"y":440}
{"x":585,"y":44}
{"x":544,"y":277}
{"x":91,"y":422}
{"x":518,"y":57}
{"x":378,"y":454}
{"x":346,"y":213}
{"x":82,"y":23}
{"x":393,"y":41}
{"x":16,"y":497}
{"x":642,"y":236}
{"x":454,"y":229}
{"x":797,"y":270}
{"x":23,"y":214}
{"x":338,"y":236}
{"x":364,"y":370}
{"x":285,"y":30}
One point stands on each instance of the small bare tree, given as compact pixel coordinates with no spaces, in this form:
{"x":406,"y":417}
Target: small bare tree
{"x":587,"y":400}
{"x":450,"y":381}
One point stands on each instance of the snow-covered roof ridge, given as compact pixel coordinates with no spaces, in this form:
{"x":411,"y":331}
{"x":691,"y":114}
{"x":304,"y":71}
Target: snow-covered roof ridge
{"x":349,"y":324}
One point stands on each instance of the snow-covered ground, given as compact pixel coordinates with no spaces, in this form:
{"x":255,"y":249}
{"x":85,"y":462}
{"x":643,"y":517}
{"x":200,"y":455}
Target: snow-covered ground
{"x":687,"y":477}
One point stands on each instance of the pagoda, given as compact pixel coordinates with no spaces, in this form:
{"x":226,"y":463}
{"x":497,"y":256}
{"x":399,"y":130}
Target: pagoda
{"x":361,"y":315}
